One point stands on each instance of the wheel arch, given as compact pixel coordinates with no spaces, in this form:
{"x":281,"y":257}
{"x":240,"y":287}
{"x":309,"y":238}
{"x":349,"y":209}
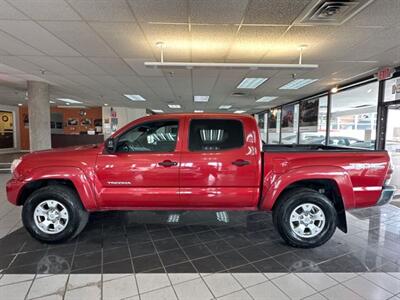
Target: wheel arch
{"x":327,"y":187}
{"x":72,"y":177}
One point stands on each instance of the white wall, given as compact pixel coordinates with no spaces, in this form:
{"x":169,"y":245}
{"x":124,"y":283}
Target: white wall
{"x":124,"y":116}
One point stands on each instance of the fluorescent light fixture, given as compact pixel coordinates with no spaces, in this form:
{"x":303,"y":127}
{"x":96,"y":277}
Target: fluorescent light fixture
{"x":224,"y":106}
{"x":198,"y":111}
{"x":70,"y":101}
{"x":135,"y":97}
{"x":239,"y":111}
{"x":251,"y":83}
{"x":174,"y":106}
{"x":201,"y":98}
{"x":266,"y":99}
{"x":19,"y":104}
{"x":105,"y":104}
{"x":157,"y":111}
{"x":297,"y":84}
{"x":51,"y":102}
{"x":334,"y":90}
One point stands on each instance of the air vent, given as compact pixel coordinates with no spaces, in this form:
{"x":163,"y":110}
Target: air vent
{"x":239,"y":94}
{"x":334,"y":12}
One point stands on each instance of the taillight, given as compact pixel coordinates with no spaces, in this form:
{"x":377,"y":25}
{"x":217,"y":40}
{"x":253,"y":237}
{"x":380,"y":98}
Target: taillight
{"x":389,"y":173}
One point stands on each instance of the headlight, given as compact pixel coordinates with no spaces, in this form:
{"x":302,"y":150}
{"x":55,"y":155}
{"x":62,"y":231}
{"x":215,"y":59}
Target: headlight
{"x":15,"y":164}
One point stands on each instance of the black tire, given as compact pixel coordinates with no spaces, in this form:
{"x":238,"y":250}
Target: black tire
{"x":77,"y":215}
{"x":287,"y":204}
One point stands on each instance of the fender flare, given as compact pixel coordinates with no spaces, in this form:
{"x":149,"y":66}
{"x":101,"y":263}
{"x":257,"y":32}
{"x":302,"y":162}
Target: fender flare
{"x":276,"y":185}
{"x":76,"y":175}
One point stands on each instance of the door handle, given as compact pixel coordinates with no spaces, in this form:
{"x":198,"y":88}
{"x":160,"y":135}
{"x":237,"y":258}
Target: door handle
{"x":241,"y":162}
{"x":167,"y":163}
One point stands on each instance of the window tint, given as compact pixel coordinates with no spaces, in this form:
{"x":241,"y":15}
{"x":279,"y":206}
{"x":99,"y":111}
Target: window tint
{"x":159,"y":136}
{"x":214,"y":135}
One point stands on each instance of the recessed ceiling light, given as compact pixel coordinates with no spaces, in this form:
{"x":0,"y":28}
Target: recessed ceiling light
{"x":135,"y":97}
{"x":174,"y":106}
{"x":157,"y":111}
{"x":198,"y":111}
{"x":51,"y":102}
{"x":105,"y":104}
{"x":201,"y":98}
{"x":19,"y":104}
{"x":239,"y":111}
{"x":266,"y":99}
{"x":297,"y":84}
{"x":224,"y":106}
{"x":334,"y":90}
{"x":67,"y":100}
{"x":251,"y":83}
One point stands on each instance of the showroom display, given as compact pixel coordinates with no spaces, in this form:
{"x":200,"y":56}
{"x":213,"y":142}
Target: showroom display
{"x":198,"y":162}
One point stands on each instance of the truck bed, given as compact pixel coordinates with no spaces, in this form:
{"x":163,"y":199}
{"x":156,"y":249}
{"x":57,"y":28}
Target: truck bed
{"x":306,"y":148}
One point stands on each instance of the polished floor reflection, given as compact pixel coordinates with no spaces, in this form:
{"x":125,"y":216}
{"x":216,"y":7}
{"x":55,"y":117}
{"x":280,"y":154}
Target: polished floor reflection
{"x":199,"y":255}
{"x":205,"y":242}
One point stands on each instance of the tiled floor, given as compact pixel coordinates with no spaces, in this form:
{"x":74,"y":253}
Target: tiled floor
{"x":207,"y":255}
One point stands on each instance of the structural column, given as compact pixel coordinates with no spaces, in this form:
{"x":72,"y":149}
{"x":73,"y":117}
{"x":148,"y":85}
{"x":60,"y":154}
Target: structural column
{"x":39,"y":115}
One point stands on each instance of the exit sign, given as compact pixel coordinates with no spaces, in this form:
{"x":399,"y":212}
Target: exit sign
{"x":384,"y":73}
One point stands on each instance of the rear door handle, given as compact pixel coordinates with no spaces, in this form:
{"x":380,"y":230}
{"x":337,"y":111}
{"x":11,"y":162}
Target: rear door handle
{"x":168,"y":163}
{"x":241,"y":162}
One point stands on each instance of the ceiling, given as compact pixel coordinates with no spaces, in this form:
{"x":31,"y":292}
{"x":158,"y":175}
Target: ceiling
{"x":94,"y":50}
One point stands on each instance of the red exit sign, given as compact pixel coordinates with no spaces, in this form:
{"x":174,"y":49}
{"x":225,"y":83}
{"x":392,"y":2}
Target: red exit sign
{"x":384,"y":73}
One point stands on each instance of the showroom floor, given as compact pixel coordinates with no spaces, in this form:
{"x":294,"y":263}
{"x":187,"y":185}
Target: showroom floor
{"x":148,"y":255}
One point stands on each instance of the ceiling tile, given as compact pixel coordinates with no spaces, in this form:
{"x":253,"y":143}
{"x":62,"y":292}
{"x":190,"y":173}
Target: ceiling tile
{"x":176,"y":38}
{"x":253,"y":42}
{"x":211,"y":43}
{"x":138,"y":66}
{"x":204,"y":81}
{"x":169,"y":11}
{"x":274,"y":11}
{"x":82,"y":64}
{"x":36,"y":36}
{"x":217,"y":12}
{"x":113,"y":66}
{"x":57,"y":10}
{"x":125,"y":38}
{"x":103,"y":10}
{"x":8,"y":12}
{"x":49,"y":64}
{"x":16,"y":47}
{"x":20,"y":64}
{"x":81,"y":37}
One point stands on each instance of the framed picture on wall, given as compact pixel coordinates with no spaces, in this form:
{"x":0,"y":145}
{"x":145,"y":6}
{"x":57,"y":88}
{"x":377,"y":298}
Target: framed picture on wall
{"x":72,"y":122}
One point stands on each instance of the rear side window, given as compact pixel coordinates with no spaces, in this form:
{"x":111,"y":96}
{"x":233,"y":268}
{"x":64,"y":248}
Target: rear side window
{"x":215,"y":135}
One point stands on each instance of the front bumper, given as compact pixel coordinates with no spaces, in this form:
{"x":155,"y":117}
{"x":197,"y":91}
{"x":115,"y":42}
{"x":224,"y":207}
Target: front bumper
{"x":386,"y":194}
{"x":13,"y":189}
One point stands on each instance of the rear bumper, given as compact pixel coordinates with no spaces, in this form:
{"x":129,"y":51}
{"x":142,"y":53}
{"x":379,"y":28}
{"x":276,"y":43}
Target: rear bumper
{"x":386,"y":194}
{"x":13,"y":189}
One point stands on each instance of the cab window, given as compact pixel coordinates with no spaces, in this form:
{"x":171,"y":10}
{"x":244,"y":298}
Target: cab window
{"x":158,"y":136}
{"x":215,"y":135}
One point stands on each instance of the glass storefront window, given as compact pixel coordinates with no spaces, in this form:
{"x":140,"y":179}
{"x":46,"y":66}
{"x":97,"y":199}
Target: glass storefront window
{"x":313,"y":114}
{"x":392,"y":143}
{"x":353,"y":117}
{"x":289,"y":123}
{"x":274,"y":125}
{"x":262,"y":125}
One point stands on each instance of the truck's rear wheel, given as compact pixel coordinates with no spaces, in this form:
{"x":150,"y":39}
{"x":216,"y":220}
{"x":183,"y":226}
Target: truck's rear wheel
{"x":305,"y":218}
{"x":54,"y":214}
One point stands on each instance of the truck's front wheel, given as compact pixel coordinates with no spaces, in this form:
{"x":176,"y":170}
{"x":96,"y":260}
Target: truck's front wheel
{"x":54,"y":214}
{"x":305,"y":218}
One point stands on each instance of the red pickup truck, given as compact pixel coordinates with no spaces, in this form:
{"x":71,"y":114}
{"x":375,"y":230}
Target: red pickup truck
{"x":198,"y":162}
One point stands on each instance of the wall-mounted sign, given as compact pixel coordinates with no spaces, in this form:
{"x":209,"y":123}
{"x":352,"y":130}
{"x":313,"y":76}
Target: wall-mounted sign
{"x":272,"y":120}
{"x":287,"y":118}
{"x":309,"y":115}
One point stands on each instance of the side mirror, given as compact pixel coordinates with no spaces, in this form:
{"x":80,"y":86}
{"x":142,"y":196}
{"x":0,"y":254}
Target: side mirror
{"x":110,"y":145}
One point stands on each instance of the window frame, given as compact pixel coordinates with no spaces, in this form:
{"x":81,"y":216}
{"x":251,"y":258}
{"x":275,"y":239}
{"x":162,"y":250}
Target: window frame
{"x":149,"y":122}
{"x":215,"y":119}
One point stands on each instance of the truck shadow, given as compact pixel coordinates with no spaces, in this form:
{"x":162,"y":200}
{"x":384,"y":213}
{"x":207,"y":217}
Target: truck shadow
{"x":205,"y":242}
